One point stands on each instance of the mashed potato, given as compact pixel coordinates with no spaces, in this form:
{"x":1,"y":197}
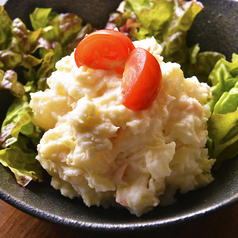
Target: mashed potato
{"x":97,"y":149}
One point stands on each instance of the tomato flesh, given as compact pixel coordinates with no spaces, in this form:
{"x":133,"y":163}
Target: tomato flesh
{"x":104,"y":49}
{"x":142,"y":80}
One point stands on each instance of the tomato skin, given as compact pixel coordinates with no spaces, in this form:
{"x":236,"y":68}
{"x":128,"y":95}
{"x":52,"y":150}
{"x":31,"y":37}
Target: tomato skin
{"x":142,"y":80}
{"x":119,"y":34}
{"x":104,"y":49}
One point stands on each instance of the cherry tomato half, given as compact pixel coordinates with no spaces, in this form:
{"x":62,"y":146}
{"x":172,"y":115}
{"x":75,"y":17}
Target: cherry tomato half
{"x":104,"y":49}
{"x":142,"y":80}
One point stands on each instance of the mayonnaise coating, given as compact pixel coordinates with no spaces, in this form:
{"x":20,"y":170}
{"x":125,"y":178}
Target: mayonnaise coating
{"x":99,"y":150}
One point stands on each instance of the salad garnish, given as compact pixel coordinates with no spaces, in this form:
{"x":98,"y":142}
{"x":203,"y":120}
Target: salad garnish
{"x":27,"y":58}
{"x":223,"y":123}
{"x":168,"y":22}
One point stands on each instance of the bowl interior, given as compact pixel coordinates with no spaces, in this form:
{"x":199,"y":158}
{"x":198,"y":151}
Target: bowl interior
{"x":213,"y":29}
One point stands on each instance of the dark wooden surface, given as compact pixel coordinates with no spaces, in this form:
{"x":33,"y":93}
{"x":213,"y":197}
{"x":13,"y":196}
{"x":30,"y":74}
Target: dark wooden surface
{"x":16,"y":224}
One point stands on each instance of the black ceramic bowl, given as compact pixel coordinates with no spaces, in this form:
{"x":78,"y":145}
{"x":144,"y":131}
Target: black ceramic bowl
{"x":215,"y":29}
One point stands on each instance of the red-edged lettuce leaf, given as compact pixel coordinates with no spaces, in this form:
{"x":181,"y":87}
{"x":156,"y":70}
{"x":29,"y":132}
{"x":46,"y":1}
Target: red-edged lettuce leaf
{"x":21,"y":161}
{"x":18,"y":120}
{"x":8,"y":81}
{"x":17,"y":134}
{"x":34,"y":53}
{"x":168,"y":22}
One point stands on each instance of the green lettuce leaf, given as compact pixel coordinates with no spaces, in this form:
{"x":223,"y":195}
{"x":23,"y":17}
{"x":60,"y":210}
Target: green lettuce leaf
{"x":223,"y":80}
{"x":34,"y":53}
{"x":59,"y":29}
{"x":17,"y":133}
{"x":22,"y":43}
{"x":223,"y":137}
{"x":228,"y":102}
{"x":21,"y":161}
{"x":169,"y":22}
{"x":5,"y":29}
{"x":41,"y":17}
{"x":155,"y":17}
{"x":223,"y":124}
{"x":18,"y":120}
{"x":201,"y":63}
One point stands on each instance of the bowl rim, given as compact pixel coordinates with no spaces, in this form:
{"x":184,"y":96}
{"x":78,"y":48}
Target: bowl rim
{"x":106,"y":227}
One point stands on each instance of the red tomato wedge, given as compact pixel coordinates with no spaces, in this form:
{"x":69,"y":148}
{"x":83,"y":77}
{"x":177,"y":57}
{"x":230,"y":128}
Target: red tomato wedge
{"x":142,"y":80}
{"x":104,"y":49}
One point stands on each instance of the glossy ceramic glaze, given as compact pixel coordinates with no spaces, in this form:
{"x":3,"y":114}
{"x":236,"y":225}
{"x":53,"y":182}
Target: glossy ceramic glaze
{"x":215,"y":29}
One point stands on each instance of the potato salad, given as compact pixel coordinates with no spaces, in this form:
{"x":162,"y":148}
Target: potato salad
{"x":97,"y":149}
